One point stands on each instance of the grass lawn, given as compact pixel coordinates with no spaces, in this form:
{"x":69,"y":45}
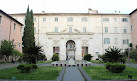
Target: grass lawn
{"x":39,"y":62}
{"x":101,"y":73}
{"x":42,"y":73}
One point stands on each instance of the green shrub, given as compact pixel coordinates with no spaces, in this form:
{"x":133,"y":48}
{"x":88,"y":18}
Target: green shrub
{"x":21,"y":67}
{"x":115,"y":67}
{"x":55,"y":57}
{"x":108,"y":65}
{"x":87,"y":57}
{"x":34,"y":66}
{"x":26,"y":68}
{"x":113,"y":55}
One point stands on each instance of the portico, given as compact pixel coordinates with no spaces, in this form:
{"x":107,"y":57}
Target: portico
{"x":66,"y":43}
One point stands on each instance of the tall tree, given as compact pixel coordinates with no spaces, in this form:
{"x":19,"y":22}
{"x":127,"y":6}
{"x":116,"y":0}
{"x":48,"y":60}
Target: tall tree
{"x":28,"y":36}
{"x":6,"y":49}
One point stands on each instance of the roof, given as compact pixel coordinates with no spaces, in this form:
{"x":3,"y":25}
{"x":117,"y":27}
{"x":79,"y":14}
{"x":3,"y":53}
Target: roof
{"x":10,"y":17}
{"x":71,"y":14}
{"x":133,"y":11}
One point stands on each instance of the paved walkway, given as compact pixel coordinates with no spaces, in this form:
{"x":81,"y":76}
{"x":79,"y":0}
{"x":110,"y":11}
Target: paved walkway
{"x":132,"y":64}
{"x":73,"y":74}
{"x":8,"y":65}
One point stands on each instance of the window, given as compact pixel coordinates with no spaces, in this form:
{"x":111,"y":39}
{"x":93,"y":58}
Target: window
{"x":116,"y":41}
{"x":34,"y":19}
{"x":126,"y":41}
{"x":19,"y":44}
{"x":115,"y":19}
{"x":97,"y":53}
{"x":70,"y":19}
{"x":44,"y":19}
{"x":0,"y":19}
{"x":125,"y":30}
{"x":14,"y":26}
{"x":70,"y":29}
{"x":56,"y":29}
{"x":115,"y":30}
{"x":106,"y":40}
{"x":34,"y":29}
{"x":56,"y":18}
{"x":131,"y":27}
{"x":124,"y":19}
{"x":84,"y":29}
{"x":106,"y":19}
{"x":106,"y":29}
{"x":84,"y":19}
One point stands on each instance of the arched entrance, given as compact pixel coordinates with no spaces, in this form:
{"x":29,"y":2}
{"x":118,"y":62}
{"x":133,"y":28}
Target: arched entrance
{"x":70,"y":49}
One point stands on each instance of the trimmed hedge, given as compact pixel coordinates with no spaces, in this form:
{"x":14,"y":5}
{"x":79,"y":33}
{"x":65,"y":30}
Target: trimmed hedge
{"x":87,"y":57}
{"x":115,"y":67}
{"x":26,"y":68}
{"x":55,"y":57}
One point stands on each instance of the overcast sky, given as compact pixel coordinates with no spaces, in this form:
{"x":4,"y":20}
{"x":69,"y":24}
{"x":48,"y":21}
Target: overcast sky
{"x":68,"y":6}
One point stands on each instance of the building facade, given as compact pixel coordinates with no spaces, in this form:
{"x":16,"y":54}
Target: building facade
{"x":79,"y":33}
{"x":134,"y":27}
{"x":11,"y":30}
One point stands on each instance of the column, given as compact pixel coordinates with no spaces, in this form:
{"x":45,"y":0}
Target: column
{"x":49,"y":50}
{"x":62,"y":54}
{"x":78,"y":52}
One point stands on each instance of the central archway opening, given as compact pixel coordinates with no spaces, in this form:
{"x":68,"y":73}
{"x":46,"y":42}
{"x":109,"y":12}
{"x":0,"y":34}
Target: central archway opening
{"x":70,"y":49}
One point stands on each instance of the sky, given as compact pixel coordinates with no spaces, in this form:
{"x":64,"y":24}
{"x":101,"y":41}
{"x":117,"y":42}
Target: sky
{"x":68,"y":6}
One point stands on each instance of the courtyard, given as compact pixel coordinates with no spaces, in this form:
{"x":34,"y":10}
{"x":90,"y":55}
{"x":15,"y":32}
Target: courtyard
{"x":46,"y":71}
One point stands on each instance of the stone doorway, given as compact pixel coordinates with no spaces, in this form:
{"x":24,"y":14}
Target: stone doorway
{"x":70,"y":49}
{"x":84,"y":50}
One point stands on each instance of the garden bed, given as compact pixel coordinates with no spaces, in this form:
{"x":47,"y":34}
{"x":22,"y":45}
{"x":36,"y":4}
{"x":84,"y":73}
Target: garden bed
{"x":40,"y":62}
{"x":101,"y":73}
{"x":42,"y":73}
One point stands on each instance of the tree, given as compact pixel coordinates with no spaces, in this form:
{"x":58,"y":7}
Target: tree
{"x":136,"y":46}
{"x":28,"y":36}
{"x":133,"y":54}
{"x":127,"y":50}
{"x":131,"y":46}
{"x":113,"y":55}
{"x":29,"y":39}
{"x":6,"y":48}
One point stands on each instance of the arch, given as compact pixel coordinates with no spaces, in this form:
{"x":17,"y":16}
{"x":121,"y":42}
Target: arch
{"x":70,"y":49}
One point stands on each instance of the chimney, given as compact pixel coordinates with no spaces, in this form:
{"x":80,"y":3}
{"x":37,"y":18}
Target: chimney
{"x":90,"y":11}
{"x":43,"y":12}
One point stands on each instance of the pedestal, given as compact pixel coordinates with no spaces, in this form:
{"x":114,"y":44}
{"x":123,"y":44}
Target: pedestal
{"x":71,"y":62}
